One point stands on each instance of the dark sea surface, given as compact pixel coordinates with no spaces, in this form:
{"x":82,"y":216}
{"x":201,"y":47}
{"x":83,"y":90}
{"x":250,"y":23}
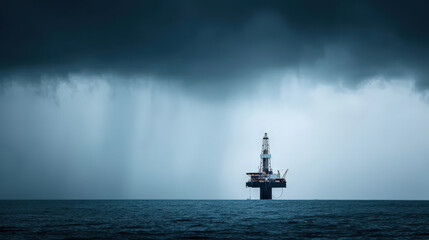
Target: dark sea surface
{"x":223,"y":219}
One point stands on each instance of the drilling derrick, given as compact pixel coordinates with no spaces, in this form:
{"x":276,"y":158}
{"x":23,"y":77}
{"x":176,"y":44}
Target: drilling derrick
{"x":265,"y":180}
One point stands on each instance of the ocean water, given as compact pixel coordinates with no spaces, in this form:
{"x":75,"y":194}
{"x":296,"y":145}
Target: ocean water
{"x":222,"y":219}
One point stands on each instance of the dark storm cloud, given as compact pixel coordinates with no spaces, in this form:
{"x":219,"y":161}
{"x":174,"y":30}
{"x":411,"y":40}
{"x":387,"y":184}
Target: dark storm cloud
{"x":216,"y":40}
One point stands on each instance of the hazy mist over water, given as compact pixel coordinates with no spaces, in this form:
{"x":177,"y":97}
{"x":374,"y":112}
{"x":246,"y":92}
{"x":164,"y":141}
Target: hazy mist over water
{"x":96,"y":137}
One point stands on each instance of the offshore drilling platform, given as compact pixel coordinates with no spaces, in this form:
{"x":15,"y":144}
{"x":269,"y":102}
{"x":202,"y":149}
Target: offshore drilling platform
{"x":265,"y":180}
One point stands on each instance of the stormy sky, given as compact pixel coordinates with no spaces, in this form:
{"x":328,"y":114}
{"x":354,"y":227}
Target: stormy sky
{"x":170,"y":99}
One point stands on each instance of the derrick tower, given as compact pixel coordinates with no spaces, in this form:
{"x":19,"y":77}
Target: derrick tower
{"x":265,"y":156}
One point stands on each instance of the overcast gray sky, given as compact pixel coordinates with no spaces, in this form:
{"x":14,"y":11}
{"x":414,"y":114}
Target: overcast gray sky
{"x":168,"y":99}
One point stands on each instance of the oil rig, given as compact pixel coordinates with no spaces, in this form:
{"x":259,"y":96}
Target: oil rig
{"x":265,"y":180}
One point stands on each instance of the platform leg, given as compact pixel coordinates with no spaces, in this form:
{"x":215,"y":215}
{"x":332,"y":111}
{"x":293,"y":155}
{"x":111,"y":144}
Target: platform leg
{"x":266,"y":192}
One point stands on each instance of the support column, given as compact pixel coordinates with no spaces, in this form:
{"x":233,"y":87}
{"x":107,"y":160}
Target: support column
{"x":266,"y":192}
